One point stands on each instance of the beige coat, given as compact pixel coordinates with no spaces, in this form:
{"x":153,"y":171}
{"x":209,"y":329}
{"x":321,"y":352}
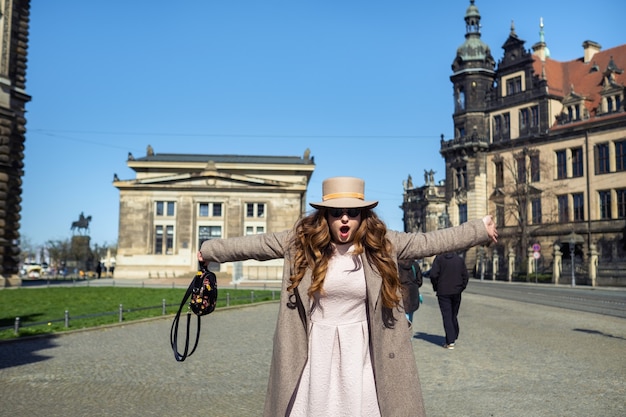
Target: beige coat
{"x":395,"y":370}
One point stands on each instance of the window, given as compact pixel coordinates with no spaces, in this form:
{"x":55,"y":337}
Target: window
{"x":605,"y":204}
{"x":535,"y":205}
{"x":561,"y":164}
{"x":579,"y":207}
{"x":499,"y":165}
{"x":577,"y":162}
{"x":163,"y":240}
{"x":535,"y":175}
{"x":255,"y":209}
{"x":602,"y":158}
{"x":523,"y":119}
{"x":573,"y":113}
{"x":460,"y":99}
{"x":507,"y":121}
{"x":513,"y":85}
{"x":563,"y":208}
{"x":207,"y":233}
{"x":621,"y":203}
{"x":462,"y":213}
{"x":534,"y":116}
{"x":210,"y":209}
{"x":609,"y":104}
{"x":497,"y":125}
{"x":501,"y":125}
{"x":165,"y":208}
{"x":620,"y":155}
{"x":254,"y":230}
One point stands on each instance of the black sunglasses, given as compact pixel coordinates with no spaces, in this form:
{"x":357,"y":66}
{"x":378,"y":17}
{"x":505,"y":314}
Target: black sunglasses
{"x":337,"y":212}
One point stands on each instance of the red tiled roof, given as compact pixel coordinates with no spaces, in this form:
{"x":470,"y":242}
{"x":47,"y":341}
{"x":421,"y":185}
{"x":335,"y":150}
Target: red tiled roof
{"x":581,"y":76}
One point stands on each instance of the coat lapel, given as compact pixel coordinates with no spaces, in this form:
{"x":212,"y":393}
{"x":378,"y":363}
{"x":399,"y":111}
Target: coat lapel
{"x":373,"y":282}
{"x":304,"y":285}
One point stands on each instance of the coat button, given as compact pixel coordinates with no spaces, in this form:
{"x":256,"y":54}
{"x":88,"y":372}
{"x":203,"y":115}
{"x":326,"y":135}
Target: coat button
{"x":392,"y":355}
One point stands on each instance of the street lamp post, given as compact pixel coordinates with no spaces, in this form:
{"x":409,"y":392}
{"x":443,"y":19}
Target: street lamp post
{"x":572,"y":246}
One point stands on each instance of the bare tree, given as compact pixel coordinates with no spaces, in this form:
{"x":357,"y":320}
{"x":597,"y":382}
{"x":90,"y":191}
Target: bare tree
{"x":521,"y":195}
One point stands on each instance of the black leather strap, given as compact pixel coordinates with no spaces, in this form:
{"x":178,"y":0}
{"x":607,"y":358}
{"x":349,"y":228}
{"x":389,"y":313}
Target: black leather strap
{"x":174,"y":330}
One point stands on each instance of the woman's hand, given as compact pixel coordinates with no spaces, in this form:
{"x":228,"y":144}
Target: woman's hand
{"x":491,"y":227}
{"x":201,"y":259}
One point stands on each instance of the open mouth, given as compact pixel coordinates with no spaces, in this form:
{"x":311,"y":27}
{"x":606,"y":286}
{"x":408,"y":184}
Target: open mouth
{"x":343,"y":230}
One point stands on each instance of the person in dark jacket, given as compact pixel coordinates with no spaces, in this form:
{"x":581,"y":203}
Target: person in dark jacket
{"x":449,"y":278}
{"x":411,"y":279}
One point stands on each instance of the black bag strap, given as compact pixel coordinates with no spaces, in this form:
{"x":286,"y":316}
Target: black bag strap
{"x":180,"y":357}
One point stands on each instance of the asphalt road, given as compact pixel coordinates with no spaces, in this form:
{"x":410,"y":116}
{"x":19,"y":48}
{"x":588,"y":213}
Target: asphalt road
{"x":601,"y":300}
{"x":513,"y":359}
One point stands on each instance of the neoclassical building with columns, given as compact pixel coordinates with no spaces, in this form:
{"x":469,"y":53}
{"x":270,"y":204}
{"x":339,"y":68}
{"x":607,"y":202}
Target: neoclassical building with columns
{"x":176,"y":201}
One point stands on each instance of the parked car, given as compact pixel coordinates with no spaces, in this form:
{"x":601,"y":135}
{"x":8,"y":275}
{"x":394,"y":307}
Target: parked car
{"x":31,"y":271}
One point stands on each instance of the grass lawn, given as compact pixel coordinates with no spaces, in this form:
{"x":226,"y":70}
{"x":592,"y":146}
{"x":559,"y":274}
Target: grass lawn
{"x":42,"y":310}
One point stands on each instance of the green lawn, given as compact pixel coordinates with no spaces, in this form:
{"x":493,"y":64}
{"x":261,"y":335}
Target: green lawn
{"x":42,"y":310}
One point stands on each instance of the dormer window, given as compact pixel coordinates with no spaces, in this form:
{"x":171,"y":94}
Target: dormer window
{"x":513,"y":86}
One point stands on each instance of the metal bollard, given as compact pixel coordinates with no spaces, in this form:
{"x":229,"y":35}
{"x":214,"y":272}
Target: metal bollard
{"x":17,"y":325}
{"x":121,"y":313}
{"x":163,"y":307}
{"x":252,"y":296}
{"x":67,"y":319}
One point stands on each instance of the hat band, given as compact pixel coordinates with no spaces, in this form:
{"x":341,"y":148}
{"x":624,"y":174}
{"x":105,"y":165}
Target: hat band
{"x":360,"y":196}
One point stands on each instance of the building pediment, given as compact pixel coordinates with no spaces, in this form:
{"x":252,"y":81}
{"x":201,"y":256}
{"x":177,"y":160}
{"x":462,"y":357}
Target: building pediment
{"x":210,"y":178}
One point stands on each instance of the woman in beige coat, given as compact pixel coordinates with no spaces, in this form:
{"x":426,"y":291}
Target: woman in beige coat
{"x":342,"y":345}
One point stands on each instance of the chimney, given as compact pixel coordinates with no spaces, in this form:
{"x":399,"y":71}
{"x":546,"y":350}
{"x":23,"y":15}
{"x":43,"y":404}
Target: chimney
{"x":590,"y":48}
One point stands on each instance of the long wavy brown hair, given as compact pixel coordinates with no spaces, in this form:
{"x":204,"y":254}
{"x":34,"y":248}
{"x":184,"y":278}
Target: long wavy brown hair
{"x":313,"y":249}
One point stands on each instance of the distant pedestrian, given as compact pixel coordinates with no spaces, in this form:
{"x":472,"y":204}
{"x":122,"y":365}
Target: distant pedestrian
{"x":99,"y":269}
{"x":411,"y":279}
{"x":449,"y":278}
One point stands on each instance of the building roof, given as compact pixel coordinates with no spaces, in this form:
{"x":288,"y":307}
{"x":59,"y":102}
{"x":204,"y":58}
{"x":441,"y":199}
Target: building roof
{"x":584,"y":79}
{"x":234,"y":159}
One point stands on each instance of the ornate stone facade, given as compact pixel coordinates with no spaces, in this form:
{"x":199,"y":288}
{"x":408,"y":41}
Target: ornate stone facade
{"x":541,"y":145}
{"x":178,"y":200}
{"x":14,"y":21}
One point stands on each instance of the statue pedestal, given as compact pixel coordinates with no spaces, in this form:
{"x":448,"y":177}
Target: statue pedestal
{"x":82,"y":252}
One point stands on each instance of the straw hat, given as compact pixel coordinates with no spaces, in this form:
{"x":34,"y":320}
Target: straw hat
{"x":344,"y":192}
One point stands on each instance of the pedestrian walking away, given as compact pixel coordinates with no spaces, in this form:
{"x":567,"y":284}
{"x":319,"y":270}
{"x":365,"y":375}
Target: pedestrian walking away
{"x":341,"y":342}
{"x":449,"y":278}
{"x":410,"y":275}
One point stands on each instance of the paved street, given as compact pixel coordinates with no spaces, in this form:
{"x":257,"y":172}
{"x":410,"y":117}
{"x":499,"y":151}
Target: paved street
{"x":512,"y":360}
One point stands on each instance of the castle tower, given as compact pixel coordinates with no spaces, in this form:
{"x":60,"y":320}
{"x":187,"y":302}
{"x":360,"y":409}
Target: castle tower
{"x":472,"y":80}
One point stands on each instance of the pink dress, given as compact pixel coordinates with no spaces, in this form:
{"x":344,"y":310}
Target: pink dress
{"x":338,"y":379}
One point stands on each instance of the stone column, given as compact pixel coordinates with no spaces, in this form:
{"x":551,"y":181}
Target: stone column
{"x":511,"y":264}
{"x":495,"y":264}
{"x":593,"y":263}
{"x":530,"y":261}
{"x":557,"y":257}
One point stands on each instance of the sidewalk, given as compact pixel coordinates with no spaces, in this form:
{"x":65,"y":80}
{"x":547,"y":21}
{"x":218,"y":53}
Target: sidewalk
{"x":512,"y":360}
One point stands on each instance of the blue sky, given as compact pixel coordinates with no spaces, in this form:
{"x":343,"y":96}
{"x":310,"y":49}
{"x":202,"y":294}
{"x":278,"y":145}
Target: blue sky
{"x":363,"y":84}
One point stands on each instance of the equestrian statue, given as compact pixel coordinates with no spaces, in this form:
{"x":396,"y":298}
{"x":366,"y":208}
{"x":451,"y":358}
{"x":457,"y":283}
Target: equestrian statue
{"x":81,"y":224}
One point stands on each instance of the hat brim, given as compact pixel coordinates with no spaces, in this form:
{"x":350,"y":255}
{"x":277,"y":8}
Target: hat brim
{"x":345,"y":203}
